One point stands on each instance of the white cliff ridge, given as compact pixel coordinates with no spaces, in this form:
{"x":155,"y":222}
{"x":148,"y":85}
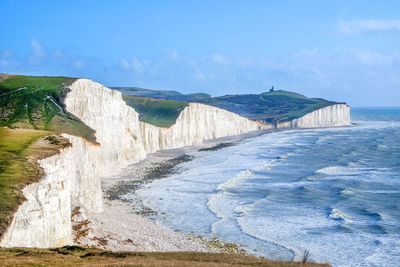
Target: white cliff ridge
{"x":330,"y":116}
{"x":72,"y":177}
{"x":123,"y":138}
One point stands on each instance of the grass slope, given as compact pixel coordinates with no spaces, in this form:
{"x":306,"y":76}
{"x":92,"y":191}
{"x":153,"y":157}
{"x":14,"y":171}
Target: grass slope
{"x":273,"y":106}
{"x":37,"y":103}
{"x":277,"y":106}
{"x":78,"y":256}
{"x":159,"y":112}
{"x":171,"y":95}
{"x":16,"y":170}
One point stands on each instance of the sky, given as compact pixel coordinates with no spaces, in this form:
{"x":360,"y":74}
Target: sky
{"x":346,"y":51}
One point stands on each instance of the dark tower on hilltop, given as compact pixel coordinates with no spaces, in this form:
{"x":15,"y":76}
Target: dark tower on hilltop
{"x":272,"y":89}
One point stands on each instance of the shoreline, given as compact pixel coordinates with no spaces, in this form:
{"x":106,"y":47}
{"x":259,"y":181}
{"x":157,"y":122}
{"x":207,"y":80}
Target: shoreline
{"x":124,"y":227}
{"x":124,"y":224}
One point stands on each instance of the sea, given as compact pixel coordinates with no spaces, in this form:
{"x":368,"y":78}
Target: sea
{"x":334,"y":192}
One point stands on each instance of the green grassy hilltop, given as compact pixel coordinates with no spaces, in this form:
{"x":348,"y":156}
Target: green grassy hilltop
{"x":18,"y":154}
{"x":31,"y":109}
{"x":159,"y":112}
{"x":269,"y":107}
{"x":37,"y":103}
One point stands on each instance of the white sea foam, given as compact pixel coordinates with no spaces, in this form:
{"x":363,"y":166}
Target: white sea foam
{"x":331,"y":170}
{"x":337,"y":201}
{"x":344,"y":170}
{"x":347,"y":191}
{"x":337,"y":214}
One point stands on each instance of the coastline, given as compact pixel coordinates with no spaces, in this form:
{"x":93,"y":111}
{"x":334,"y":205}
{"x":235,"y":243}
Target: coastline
{"x":122,"y":225}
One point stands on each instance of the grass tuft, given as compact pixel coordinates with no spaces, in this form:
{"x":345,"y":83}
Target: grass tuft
{"x":306,"y":256}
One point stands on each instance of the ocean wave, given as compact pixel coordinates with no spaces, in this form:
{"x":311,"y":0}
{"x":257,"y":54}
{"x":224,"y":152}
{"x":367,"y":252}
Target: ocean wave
{"x":231,"y":183}
{"x":346,"y":171}
{"x":389,"y":191}
{"x":331,"y":170}
{"x":297,"y":252}
{"x":347,"y":192}
{"x":338,"y":214}
{"x":336,"y":198}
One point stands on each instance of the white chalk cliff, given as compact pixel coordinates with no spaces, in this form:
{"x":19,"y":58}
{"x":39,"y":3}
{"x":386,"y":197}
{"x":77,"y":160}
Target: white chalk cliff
{"x":330,"y":116}
{"x":72,"y":177}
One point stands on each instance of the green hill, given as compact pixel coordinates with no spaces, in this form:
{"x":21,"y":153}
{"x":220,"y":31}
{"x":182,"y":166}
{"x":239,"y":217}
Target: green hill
{"x":170,"y":95}
{"x":37,"y":103}
{"x":159,"y":112}
{"x":269,"y":107}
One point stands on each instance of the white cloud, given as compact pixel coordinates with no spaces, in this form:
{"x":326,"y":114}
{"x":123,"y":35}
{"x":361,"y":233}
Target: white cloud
{"x":396,"y":60}
{"x":173,"y":54}
{"x":338,"y":75}
{"x":370,"y":26}
{"x":37,"y":52}
{"x":6,"y":53}
{"x":135,"y":65}
{"x":4,"y":63}
{"x":395,"y":79}
{"x":308,"y":52}
{"x":199,"y":75}
{"x":58,"y":54}
{"x":79,"y":64}
{"x":368,"y":57}
{"x":124,"y":64}
{"x":138,"y":66}
{"x":8,"y":66}
{"x":217,"y":58}
{"x":7,"y":61}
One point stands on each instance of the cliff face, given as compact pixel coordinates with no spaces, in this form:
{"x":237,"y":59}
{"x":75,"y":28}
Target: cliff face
{"x":72,"y":178}
{"x":334,"y":115}
{"x":123,"y":138}
{"x":196,"y":123}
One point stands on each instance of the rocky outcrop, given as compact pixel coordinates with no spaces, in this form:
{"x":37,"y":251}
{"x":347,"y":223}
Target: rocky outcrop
{"x":72,"y":177}
{"x":331,"y":116}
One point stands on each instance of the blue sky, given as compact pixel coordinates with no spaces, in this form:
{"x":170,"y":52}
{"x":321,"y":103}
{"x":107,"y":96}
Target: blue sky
{"x":340,"y":50}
